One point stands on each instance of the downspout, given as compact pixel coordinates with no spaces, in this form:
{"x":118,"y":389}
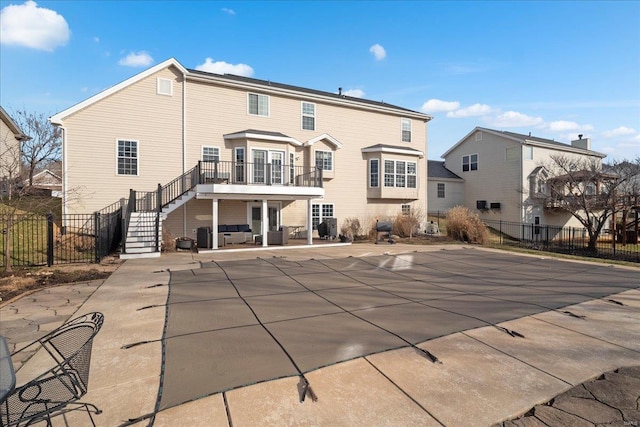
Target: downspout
{"x":64,"y":170}
{"x":184,"y":146}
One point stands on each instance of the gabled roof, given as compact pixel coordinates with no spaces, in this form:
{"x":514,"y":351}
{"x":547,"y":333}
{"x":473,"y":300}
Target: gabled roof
{"x":384,"y":148}
{"x":324,"y":137}
{"x":56,"y":119}
{"x":244,"y":82}
{"x":13,"y":127}
{"x":529,"y":140}
{"x":437,"y":169}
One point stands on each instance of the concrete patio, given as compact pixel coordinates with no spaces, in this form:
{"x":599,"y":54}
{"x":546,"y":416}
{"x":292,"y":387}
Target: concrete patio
{"x":483,"y":375}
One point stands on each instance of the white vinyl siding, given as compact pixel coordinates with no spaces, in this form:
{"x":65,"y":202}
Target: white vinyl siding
{"x":406,"y":130}
{"x":210,"y":154}
{"x":324,"y":160}
{"x":258,"y":104}
{"x":400,"y":174}
{"x":374,"y":173}
{"x":308,"y":116}
{"x":127,"y":157}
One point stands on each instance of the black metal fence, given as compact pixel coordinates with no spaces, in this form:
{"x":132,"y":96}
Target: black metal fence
{"x":36,"y":240}
{"x":566,"y":240}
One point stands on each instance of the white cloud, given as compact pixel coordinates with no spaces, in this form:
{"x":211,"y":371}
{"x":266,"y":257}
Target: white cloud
{"x":378,"y":52}
{"x":514,"y":119}
{"x":619,"y":131}
{"x":437,"y":105}
{"x":563,"y":126}
{"x":471,"y":111}
{"x":355,"y":93}
{"x":136,"y":59}
{"x":228,"y":11}
{"x":31,"y":26}
{"x":96,"y":39}
{"x":221,"y":67}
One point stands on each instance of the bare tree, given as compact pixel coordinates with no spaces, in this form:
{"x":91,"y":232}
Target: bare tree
{"x":591,"y":193}
{"x":45,"y":144}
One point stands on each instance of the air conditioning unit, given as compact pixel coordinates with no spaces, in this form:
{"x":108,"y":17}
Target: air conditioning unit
{"x":495,"y":205}
{"x":482,"y":205}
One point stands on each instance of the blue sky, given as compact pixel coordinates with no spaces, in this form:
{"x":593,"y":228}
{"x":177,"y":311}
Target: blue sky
{"x":555,"y":69}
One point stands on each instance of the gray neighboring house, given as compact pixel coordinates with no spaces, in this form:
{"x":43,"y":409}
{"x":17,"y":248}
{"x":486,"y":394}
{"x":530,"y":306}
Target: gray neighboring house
{"x":445,"y":188}
{"x":504,"y":174}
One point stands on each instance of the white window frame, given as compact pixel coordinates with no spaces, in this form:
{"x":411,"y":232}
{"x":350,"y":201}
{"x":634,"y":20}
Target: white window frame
{"x":159,"y":86}
{"x":308,"y":115}
{"x":259,"y":97}
{"x":372,"y":175}
{"x":240,"y":164}
{"x":405,"y":209}
{"x":318,"y":213}
{"x":405,"y":126}
{"x":470,"y":163}
{"x":216,"y":151}
{"x":330,"y":156}
{"x":118,"y":157}
{"x":400,"y":177}
{"x":292,"y":168}
{"x":441,"y":189}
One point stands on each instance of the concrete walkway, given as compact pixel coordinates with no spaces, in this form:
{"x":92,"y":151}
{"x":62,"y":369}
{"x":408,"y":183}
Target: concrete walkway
{"x":485,"y":376}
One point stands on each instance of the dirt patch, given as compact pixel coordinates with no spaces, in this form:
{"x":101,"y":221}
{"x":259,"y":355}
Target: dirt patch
{"x":20,"y":281}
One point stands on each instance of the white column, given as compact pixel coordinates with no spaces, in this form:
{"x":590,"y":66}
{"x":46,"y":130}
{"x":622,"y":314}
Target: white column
{"x":214,"y":223}
{"x":309,"y":223}
{"x":265,"y":222}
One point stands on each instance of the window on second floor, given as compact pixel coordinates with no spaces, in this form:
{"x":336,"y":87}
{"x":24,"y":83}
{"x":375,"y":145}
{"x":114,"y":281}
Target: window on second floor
{"x":399,"y":173}
{"x":441,"y":190}
{"x":406,"y":130}
{"x":470,"y":163}
{"x":324,"y":160}
{"x":127,"y":157}
{"x":308,"y":116}
{"x":210,"y":154}
{"x":258,"y":104}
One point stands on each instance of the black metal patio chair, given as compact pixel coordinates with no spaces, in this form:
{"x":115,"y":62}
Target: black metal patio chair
{"x":59,"y":389}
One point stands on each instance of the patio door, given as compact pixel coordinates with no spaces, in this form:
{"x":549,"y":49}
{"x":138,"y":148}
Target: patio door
{"x":255,"y":216}
{"x":268,"y":166}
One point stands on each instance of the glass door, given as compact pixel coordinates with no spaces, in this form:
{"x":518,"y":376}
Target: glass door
{"x":259,"y":166}
{"x":277,"y":163}
{"x":255,"y":215}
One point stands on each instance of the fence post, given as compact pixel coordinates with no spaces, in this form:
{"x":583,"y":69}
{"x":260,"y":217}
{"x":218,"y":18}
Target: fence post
{"x":500,"y":232}
{"x":96,"y":229}
{"x":158,"y":210}
{"x":49,"y":240}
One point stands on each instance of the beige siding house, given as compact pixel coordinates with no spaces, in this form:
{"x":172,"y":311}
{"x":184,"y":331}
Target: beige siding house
{"x":446,"y":189}
{"x":10,"y":137}
{"x":501,"y":171}
{"x":230,"y":150}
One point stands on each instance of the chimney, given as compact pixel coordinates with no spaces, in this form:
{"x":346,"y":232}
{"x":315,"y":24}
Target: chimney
{"x":584,"y":143}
